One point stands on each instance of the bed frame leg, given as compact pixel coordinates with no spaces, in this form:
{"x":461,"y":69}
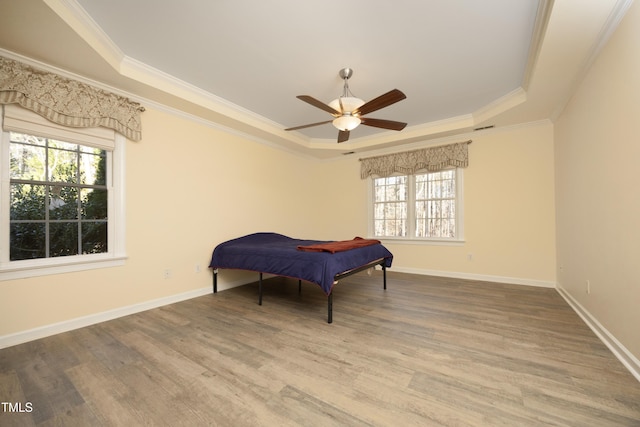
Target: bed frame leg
{"x":260,"y":290}
{"x":384,"y":276}
{"x":299,"y":286}
{"x":215,"y":280}
{"x":330,"y":308}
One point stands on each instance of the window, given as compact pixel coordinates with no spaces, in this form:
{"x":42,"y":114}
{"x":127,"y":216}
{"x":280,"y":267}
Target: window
{"x":61,"y":197}
{"x":58,"y":198}
{"x":421,"y":207}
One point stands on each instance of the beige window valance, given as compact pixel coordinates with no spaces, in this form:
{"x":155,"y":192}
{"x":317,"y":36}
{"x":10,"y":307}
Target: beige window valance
{"x":67,"y":102}
{"x":430,"y":159}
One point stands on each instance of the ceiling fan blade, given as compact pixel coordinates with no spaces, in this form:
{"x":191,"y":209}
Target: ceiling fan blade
{"x":382,"y":101}
{"x":319,"y":104}
{"x":309,"y":125}
{"x":384,"y":124}
{"x":343,"y":136}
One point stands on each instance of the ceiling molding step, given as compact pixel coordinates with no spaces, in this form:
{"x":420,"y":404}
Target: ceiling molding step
{"x":539,"y":30}
{"x":295,"y":146}
{"x":457,"y":123}
{"x":470,"y":135}
{"x":512,"y":99}
{"x":566,"y":38}
{"x":84,"y":25}
{"x":609,"y":27}
{"x":143,"y":73}
{"x":618,"y":11}
{"x":158,"y":79}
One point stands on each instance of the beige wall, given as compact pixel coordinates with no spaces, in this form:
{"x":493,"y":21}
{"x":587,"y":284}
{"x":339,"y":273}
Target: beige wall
{"x":509,"y":213}
{"x":188,"y":187}
{"x":598,"y":201}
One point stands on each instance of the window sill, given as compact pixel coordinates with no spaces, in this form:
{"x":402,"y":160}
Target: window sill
{"x":31,"y":268}
{"x":422,"y":242}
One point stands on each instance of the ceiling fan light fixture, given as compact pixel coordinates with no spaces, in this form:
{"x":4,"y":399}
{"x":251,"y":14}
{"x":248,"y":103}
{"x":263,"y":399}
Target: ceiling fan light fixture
{"x":347,"y":109}
{"x":346,"y":104}
{"x":346,"y":122}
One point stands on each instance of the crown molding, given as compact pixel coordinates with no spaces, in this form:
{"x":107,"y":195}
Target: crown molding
{"x":611,"y":24}
{"x":539,"y":30}
{"x":82,"y":23}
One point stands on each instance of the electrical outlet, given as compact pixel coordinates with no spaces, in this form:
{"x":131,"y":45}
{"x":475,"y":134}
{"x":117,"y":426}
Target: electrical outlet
{"x":167,"y":274}
{"x":197,"y":269}
{"x":470,"y":257}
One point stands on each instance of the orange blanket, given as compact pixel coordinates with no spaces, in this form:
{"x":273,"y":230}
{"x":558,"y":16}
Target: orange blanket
{"x":340,"y":246}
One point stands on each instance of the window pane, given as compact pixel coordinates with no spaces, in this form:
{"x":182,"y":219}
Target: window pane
{"x":27,"y":139}
{"x":433,"y":210}
{"x":435,"y":214}
{"x":92,"y":169}
{"x":448,"y":208}
{"x":63,"y":166}
{"x":63,"y":145}
{"x":63,"y":202}
{"x":378,"y":226}
{"x":378,"y":210}
{"x":390,"y":206}
{"x":94,"y":204}
{"x":421,"y":189}
{"x":421,"y":210}
{"x":434,"y":228}
{"x":390,"y":210}
{"x":392,"y":193}
{"x":448,"y":228}
{"x":27,"y":162}
{"x":63,"y":239}
{"x":90,"y":150}
{"x":94,"y":237}
{"x":27,"y":202}
{"x":27,"y":241}
{"x":395,"y":228}
{"x":448,"y":189}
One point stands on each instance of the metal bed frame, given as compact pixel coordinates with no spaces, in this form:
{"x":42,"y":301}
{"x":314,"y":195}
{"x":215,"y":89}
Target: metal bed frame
{"x":336,"y":278}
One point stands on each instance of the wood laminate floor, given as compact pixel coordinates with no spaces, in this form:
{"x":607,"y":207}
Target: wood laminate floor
{"x":427,"y":351}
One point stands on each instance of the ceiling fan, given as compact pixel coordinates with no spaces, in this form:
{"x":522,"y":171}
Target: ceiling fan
{"x":348,"y":111}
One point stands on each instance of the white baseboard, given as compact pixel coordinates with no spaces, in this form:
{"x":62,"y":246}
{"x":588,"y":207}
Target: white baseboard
{"x":481,"y":277}
{"x":80,"y":322}
{"x":92,"y":319}
{"x":620,"y":351}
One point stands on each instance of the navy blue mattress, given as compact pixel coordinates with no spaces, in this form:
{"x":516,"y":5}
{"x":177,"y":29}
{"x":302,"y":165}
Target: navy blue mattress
{"x":274,"y":253}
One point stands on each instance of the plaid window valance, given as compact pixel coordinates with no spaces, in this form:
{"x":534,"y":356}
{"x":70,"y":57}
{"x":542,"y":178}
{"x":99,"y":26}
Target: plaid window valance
{"x":430,"y":159}
{"x":67,"y":102}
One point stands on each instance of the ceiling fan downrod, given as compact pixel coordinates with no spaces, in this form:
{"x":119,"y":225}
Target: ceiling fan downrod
{"x":345,"y":74}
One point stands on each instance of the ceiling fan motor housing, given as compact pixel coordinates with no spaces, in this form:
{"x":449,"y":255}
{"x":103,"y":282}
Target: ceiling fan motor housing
{"x":345,"y":73}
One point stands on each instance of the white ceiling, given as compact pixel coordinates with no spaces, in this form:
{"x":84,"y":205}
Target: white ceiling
{"x":463,"y":64}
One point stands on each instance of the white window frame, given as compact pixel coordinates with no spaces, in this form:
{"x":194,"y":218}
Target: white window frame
{"x":116,"y":255}
{"x":411,"y":217}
